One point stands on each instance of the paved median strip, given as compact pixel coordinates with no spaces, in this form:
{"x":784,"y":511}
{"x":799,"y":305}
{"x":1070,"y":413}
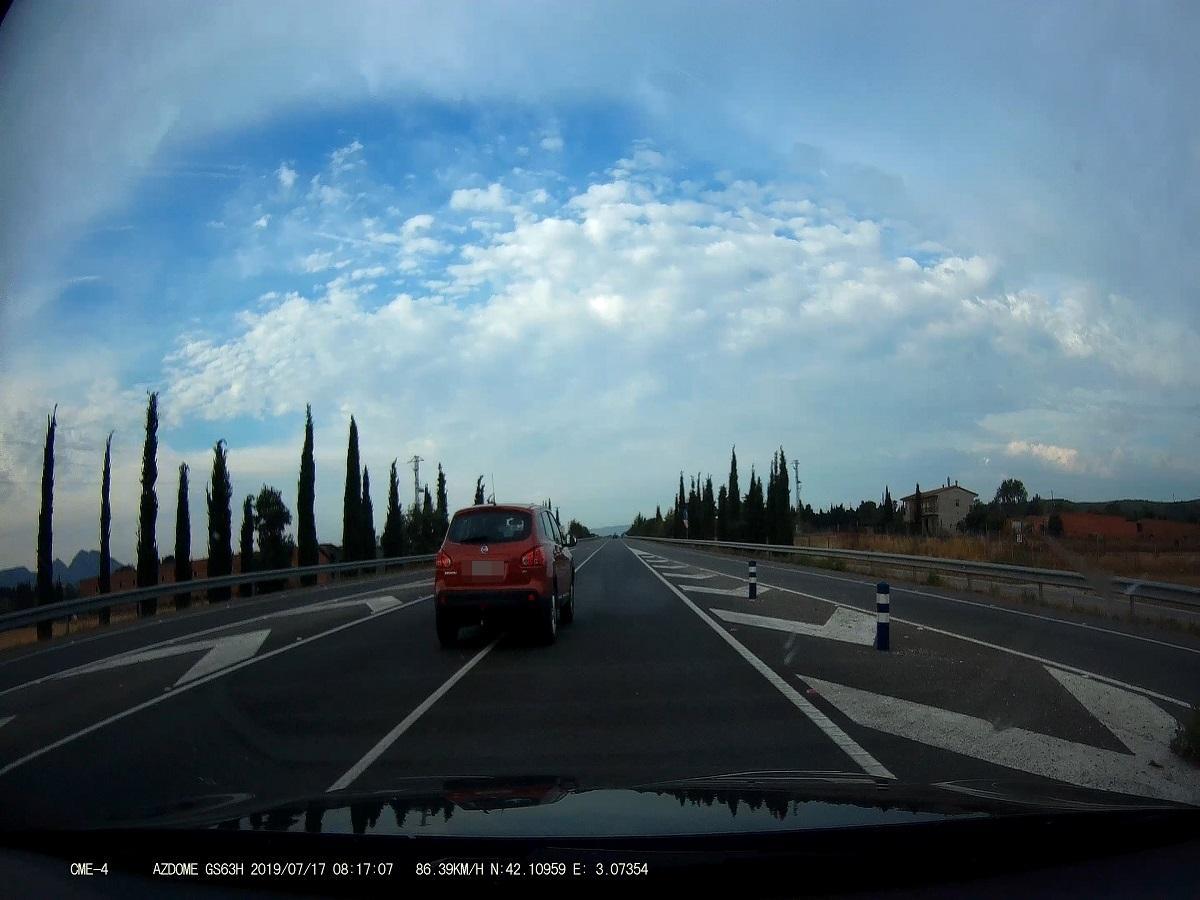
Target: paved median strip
{"x":1149,"y":769}
{"x":1066,"y":667}
{"x":861,"y":757}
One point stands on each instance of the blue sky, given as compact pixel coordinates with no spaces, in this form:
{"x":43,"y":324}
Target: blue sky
{"x":581,"y":247}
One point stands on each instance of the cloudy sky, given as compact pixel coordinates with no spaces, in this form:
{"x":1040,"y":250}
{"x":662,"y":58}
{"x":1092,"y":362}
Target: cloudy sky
{"x":580,"y":247}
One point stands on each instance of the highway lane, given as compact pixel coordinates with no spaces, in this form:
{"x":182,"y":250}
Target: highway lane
{"x":21,"y":665}
{"x":655,"y":680}
{"x":1163,"y":662}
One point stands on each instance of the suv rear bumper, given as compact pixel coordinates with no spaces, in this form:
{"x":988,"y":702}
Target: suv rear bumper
{"x":474,"y":605}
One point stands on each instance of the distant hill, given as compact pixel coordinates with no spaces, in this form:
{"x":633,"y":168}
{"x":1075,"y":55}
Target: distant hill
{"x":1177,"y":511}
{"x":86,"y":564}
{"x":609,"y":529}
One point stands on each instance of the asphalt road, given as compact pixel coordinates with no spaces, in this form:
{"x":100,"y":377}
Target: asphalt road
{"x":668,"y":672}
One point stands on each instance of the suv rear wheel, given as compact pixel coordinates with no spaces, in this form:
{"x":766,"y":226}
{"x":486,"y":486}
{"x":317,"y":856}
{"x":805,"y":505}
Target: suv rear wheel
{"x":447,"y":628}
{"x":547,"y":627}
{"x":567,"y":616}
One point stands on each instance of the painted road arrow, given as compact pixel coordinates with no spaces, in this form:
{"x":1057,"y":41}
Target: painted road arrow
{"x":846,"y":625}
{"x":1149,"y":770}
{"x":375,"y":604}
{"x":221,"y":652}
{"x":699,"y":577}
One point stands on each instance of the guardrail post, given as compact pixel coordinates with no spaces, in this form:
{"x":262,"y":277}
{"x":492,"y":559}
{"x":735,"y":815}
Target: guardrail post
{"x":883,"y":608}
{"x":753,"y":586}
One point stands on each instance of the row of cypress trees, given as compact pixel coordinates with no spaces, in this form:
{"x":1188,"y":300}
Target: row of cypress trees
{"x":761,"y":515}
{"x":418,"y":531}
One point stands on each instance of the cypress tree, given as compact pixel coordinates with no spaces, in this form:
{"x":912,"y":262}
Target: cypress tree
{"x":393,"y":538}
{"x":428,"y":524}
{"x":413,"y":531}
{"x":722,"y":515}
{"x":352,"y":500}
{"x":247,"y":544}
{"x":308,"y":551}
{"x":104,"y":580}
{"x":754,"y":512}
{"x":367,"y":512}
{"x":709,"y":506}
{"x":889,"y":511}
{"x":917,"y":525}
{"x":695,"y":515}
{"x":787,"y":524}
{"x":183,"y":538}
{"x":733,"y":530}
{"x":442,"y":516}
{"x":45,"y":542}
{"x":219,"y":498}
{"x":271,"y":517}
{"x":147,"y":547}
{"x":680,"y":505}
{"x":479,"y":490}
{"x":772,"y":524}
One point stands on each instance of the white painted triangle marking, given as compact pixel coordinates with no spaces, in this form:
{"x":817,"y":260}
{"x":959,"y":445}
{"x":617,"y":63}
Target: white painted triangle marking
{"x":699,"y":577}
{"x":724,"y":592}
{"x":664,"y":567}
{"x":227,"y":652}
{"x":1150,"y":771}
{"x":375,"y":604}
{"x":846,"y":625}
{"x":222,"y":652}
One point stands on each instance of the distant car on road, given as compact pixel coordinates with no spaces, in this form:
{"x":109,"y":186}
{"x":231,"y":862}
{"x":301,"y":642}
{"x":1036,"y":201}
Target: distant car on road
{"x":504,"y":563}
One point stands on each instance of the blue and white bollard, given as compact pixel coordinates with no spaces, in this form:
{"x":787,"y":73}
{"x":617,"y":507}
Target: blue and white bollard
{"x":753,"y":579}
{"x":883,"y":615}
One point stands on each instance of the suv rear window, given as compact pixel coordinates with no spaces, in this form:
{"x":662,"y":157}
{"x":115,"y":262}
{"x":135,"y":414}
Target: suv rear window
{"x":492,"y":526}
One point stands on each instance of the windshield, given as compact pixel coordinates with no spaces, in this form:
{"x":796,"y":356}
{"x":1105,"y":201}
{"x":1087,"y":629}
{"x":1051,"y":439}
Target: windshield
{"x":490,"y":527}
{"x":595,"y":398}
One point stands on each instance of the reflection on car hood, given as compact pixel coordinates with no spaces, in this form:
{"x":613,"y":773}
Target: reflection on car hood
{"x":556,"y":806}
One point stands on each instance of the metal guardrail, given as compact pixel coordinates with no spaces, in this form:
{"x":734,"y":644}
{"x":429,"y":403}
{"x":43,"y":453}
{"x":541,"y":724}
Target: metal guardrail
{"x":64,"y":609}
{"x":1182,"y":594}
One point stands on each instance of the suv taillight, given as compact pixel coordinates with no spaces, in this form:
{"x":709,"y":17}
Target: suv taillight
{"x":534,"y":557}
{"x":443,"y":561}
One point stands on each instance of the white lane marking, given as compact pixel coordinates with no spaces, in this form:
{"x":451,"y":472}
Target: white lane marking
{"x":1002,"y":649}
{"x":219,"y":653}
{"x":846,"y":625}
{"x":663,"y":567}
{"x":992,"y":606}
{"x":1137,"y":722}
{"x":195,"y":634}
{"x":699,"y":576}
{"x":375,"y":603}
{"x":4,"y":721}
{"x":392,"y":736}
{"x":183,"y":689}
{"x":241,"y":604}
{"x":865,"y":760}
{"x":590,"y":557}
{"x":724,"y":592}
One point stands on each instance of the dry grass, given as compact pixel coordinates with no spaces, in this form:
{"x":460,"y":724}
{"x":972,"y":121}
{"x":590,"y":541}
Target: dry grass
{"x":1177,"y":566}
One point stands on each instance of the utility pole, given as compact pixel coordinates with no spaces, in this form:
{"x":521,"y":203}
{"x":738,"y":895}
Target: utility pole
{"x":416,"y":464}
{"x":796,"y":471}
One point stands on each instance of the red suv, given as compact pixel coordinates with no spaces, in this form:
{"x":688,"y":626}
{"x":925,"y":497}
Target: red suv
{"x":504,"y":562}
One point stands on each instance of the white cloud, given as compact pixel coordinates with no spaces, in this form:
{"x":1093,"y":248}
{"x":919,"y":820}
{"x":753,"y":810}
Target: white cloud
{"x":553,"y":143}
{"x":262,"y":221}
{"x":346,"y":158}
{"x":1065,"y":458}
{"x":493,"y":198}
{"x":286,"y":175}
{"x":416,"y":223}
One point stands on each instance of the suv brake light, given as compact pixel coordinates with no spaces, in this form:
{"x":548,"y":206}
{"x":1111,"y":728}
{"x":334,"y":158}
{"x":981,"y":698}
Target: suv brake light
{"x":534,"y":557}
{"x":443,"y":561}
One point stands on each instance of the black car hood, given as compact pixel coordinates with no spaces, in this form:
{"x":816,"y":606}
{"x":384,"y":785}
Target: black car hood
{"x":555,"y":806}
